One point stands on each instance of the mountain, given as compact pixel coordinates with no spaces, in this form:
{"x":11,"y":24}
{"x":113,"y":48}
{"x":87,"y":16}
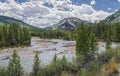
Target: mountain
{"x":9,"y":20}
{"x":68,"y":23}
{"x":115,"y":17}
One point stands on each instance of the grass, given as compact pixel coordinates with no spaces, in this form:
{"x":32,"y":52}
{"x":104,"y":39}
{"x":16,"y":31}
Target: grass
{"x":111,"y":67}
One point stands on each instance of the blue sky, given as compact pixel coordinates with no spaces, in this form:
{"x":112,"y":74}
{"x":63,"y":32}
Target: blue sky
{"x":106,"y":5}
{"x":42,"y":13}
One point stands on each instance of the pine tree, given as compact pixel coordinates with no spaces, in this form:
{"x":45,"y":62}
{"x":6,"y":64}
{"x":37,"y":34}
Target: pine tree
{"x":55,"y":58}
{"x":26,"y":36}
{"x":82,"y":40}
{"x":93,"y":45}
{"x":64,"y":60}
{"x":14,"y":67}
{"x":14,"y":35}
{"x":64,"y":63}
{"x":108,"y":43}
{"x":36,"y":66}
{"x":12,"y":39}
{"x":2,"y":42}
{"x":108,"y":37}
{"x":117,"y":31}
{"x":86,"y":45}
{"x":22,"y":36}
{"x":5,"y":34}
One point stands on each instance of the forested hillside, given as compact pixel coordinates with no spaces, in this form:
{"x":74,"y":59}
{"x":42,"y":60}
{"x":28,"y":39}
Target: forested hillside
{"x":4,"y":20}
{"x":14,"y":35}
{"x":115,"y":17}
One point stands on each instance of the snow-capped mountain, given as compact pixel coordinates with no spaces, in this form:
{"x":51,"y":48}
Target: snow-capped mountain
{"x":68,"y":23}
{"x":115,"y":17}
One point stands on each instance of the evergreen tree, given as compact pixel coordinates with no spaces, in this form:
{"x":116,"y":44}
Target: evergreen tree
{"x":86,"y":45}
{"x":36,"y":66}
{"x":108,"y":43}
{"x":108,"y":37}
{"x":82,"y":40}
{"x":22,"y":36}
{"x":27,"y":37}
{"x":14,"y":67}
{"x":64,"y":63}
{"x":64,"y":60}
{"x":12,"y":39}
{"x":93,"y":45}
{"x":2,"y":42}
{"x":55,"y":58}
{"x":5,"y":34}
{"x":117,"y":31}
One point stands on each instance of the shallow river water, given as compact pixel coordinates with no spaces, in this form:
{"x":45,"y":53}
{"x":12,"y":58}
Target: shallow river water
{"x":47,"y":49}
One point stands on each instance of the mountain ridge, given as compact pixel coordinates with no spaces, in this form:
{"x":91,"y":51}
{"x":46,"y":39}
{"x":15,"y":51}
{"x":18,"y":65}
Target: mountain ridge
{"x":68,"y":23}
{"x":9,"y":20}
{"x":115,"y":17}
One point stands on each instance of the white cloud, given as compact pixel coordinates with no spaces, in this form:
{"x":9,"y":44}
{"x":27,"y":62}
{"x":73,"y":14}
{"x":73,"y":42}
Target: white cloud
{"x":118,"y":0}
{"x":93,"y":2}
{"x":115,"y":10}
{"x":109,"y":9}
{"x":35,"y":13}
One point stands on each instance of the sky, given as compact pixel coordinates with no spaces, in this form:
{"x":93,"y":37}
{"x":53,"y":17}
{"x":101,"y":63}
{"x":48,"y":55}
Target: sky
{"x":44,"y":13}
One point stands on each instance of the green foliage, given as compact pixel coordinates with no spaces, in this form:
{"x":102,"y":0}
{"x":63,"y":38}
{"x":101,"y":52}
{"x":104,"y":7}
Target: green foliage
{"x":36,"y":66}
{"x":83,"y":72}
{"x":117,"y":31}
{"x":94,"y":68}
{"x":55,"y":58}
{"x":14,"y":67}
{"x":108,"y":44}
{"x":86,"y":45}
{"x":93,"y":43}
{"x":56,"y":69}
{"x":14,"y":35}
{"x":87,"y":63}
{"x":3,"y":72}
{"x":107,"y":55}
{"x":82,"y":40}
{"x":102,"y":30}
{"x":108,"y":37}
{"x":56,"y":34}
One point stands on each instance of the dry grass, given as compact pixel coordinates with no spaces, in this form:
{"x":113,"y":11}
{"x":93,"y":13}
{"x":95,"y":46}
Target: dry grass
{"x":111,"y":67}
{"x":67,"y":74}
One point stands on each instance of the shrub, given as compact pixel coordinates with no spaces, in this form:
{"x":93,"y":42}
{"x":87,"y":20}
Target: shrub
{"x":106,"y":56}
{"x":3,"y":72}
{"x":111,"y":67}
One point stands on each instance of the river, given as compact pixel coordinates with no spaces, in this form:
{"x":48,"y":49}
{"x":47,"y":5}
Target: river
{"x":46,"y":48}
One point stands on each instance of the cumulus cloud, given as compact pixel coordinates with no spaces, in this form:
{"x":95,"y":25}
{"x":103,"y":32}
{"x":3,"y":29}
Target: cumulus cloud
{"x":93,"y":2}
{"x":36,"y":13}
{"x":118,"y":0}
{"x":109,"y":8}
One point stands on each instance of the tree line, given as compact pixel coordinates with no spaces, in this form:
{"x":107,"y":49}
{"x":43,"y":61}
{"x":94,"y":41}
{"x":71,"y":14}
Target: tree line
{"x":56,"y":34}
{"x":87,"y":62}
{"x":14,"y":35}
{"x":101,"y":30}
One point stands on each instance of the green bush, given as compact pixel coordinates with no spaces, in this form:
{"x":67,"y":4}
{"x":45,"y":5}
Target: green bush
{"x":3,"y":72}
{"x":105,"y":56}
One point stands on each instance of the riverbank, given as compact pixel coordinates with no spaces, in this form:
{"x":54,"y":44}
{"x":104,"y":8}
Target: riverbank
{"x":46,"y":48}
